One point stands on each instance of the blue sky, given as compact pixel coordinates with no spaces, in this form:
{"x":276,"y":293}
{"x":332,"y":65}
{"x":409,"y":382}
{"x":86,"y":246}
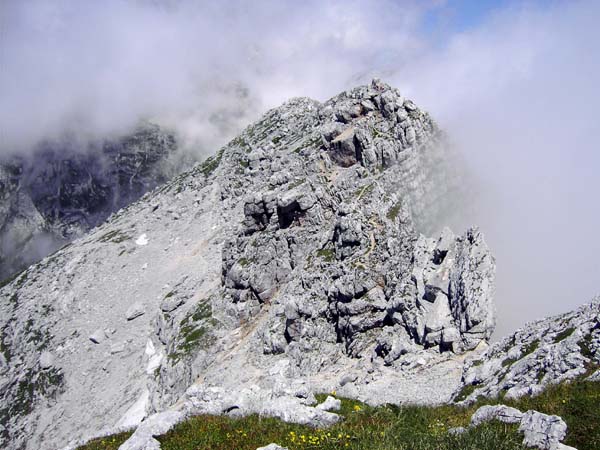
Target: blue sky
{"x":461,"y":15}
{"x":457,"y":16}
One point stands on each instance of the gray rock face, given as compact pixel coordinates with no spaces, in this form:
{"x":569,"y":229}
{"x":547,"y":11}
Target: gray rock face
{"x":540,"y":354}
{"x":542,"y":431}
{"x":135,"y":310}
{"x":64,"y":189}
{"x":290,"y":263}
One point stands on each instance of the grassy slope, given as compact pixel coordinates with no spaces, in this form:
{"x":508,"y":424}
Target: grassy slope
{"x":389,"y":427}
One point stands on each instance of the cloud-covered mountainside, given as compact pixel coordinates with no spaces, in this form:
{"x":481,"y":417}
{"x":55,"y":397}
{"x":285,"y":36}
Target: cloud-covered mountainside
{"x":60,"y":191}
{"x":288,"y":264}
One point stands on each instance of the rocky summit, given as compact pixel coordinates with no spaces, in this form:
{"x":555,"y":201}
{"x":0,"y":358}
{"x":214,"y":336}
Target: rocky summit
{"x":62,"y":189}
{"x":298,"y":260}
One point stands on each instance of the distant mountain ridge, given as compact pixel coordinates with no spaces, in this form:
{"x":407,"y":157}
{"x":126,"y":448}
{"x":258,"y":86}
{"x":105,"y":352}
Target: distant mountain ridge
{"x":61,"y":190}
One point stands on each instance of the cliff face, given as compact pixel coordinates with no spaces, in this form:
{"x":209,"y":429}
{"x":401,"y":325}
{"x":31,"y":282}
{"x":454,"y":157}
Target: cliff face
{"x":287,"y":264}
{"x":61,"y":191}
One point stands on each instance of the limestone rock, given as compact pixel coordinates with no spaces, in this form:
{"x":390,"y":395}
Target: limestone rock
{"x":155,"y":425}
{"x":502,"y":413}
{"x":330,"y":404}
{"x":300,"y":414}
{"x":542,"y":431}
{"x":46,"y":360}
{"x":136,"y":310}
{"x":539,"y":430}
{"x":272,"y":447}
{"x":98,"y":336}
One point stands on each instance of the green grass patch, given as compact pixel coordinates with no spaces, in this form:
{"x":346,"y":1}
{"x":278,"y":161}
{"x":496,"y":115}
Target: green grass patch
{"x":576,"y":403}
{"x":586,"y":346}
{"x":467,"y":390}
{"x":11,"y":278}
{"x":244,"y":262}
{"x":391,"y":427}
{"x":211,"y":163}
{"x":509,"y":362}
{"x":295,"y":184}
{"x":563,"y":335}
{"x":115,"y":236}
{"x":309,"y":143}
{"x":327,"y":254}
{"x":532,"y":347}
{"x":242,"y":144}
{"x":364,"y":190}
{"x":586,"y":350}
{"x":363,"y":427}
{"x":394,"y":211}
{"x":195,"y":331}
{"x":527,"y":350}
{"x":4,"y":347}
{"x":108,"y":443}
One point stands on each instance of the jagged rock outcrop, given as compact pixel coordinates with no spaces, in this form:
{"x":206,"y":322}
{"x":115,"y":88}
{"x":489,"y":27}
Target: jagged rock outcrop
{"x":542,"y":353}
{"x":63,"y":189}
{"x":291,"y":262}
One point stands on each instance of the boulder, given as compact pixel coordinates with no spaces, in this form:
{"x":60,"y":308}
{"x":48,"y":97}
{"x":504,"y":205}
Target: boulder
{"x":134,"y":311}
{"x":98,"y":336}
{"x":330,"y":404}
{"x":289,"y":410}
{"x":502,"y":413}
{"x":272,"y":447}
{"x":541,"y":430}
{"x":46,"y":360}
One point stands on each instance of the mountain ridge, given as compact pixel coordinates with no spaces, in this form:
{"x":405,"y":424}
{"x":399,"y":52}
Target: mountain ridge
{"x":290,"y":263}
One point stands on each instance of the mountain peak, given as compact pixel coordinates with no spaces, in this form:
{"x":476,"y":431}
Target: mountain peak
{"x":290,"y":260}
